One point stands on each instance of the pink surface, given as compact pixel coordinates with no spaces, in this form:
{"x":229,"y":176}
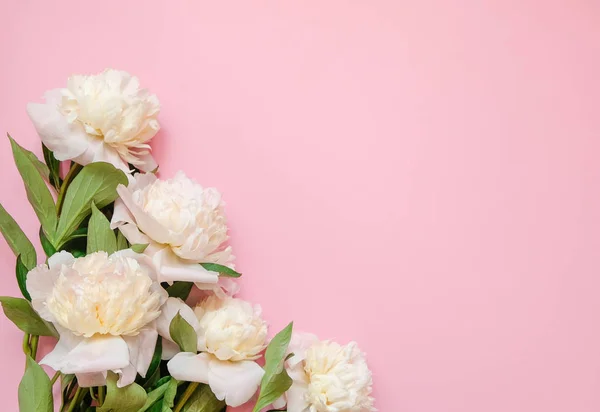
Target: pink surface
{"x":420,"y":176}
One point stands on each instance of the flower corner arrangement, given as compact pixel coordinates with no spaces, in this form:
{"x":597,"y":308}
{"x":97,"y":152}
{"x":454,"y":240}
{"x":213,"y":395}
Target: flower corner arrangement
{"x":137,"y":287}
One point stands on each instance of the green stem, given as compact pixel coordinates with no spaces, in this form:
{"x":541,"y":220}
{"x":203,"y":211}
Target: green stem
{"x":186,"y":395}
{"x":34,"y":345}
{"x":54,"y":378}
{"x":100,"y":395}
{"x":63,"y":189}
{"x":26,"y":349}
{"x":92,"y":394}
{"x":75,"y":400}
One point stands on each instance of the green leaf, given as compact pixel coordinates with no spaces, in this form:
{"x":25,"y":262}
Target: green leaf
{"x":275,"y":381}
{"x":20,"y":312}
{"x":121,"y":241}
{"x":53,"y":167}
{"x":46,"y":245}
{"x":97,"y":183}
{"x":22,"y":272}
{"x":35,"y":390}
{"x":203,"y":400}
{"x":100,"y":236}
{"x":139,"y":247}
{"x":127,"y":399}
{"x":16,"y":239}
{"x":169,"y":396}
{"x":183,"y":334}
{"x":180,"y":290}
{"x":223,"y":270}
{"x":37,"y":192}
{"x":153,"y":370}
{"x":154,"y":396}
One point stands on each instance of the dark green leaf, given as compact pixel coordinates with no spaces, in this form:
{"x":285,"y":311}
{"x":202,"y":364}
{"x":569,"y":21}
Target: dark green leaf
{"x":180,"y":290}
{"x":154,"y":396}
{"x":275,"y":381}
{"x":35,"y":390}
{"x":139,"y":247}
{"x":53,"y":167}
{"x":78,"y":253}
{"x":46,"y":245}
{"x":97,"y":182}
{"x":22,"y":272}
{"x":203,"y":400}
{"x":37,"y":192}
{"x":183,"y":334}
{"x":153,"y":369}
{"x":17,"y":240}
{"x":20,"y":312}
{"x":100,"y":236}
{"x":121,"y":241}
{"x":221,"y":269}
{"x":127,"y":399}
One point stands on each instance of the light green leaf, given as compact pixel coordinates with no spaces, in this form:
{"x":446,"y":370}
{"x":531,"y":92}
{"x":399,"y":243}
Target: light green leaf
{"x":53,"y":167}
{"x":22,"y":272}
{"x":17,"y":240}
{"x":169,"y":396}
{"x":154,"y":396}
{"x":121,"y":241}
{"x":37,"y":192}
{"x":183,"y":334}
{"x":139,"y":247}
{"x":20,"y":312}
{"x":35,"y":389}
{"x":275,"y":381}
{"x":222,"y":269}
{"x":127,"y":399}
{"x":100,"y":236}
{"x":203,"y":400}
{"x":180,"y":290}
{"x":46,"y":245}
{"x":97,"y":182}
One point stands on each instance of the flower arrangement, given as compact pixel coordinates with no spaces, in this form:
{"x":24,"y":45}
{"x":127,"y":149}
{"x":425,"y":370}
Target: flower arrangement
{"x":138,"y":283}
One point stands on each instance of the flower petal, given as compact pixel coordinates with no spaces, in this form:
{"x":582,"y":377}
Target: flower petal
{"x":295,"y":397}
{"x":88,"y":380}
{"x":234,"y":382}
{"x":144,"y":221}
{"x":96,"y":354}
{"x":169,"y":349}
{"x":147,"y":163}
{"x":98,"y":151}
{"x":60,"y":258}
{"x":169,"y":310}
{"x":171,"y":268}
{"x":40,"y":281}
{"x":66,"y":140}
{"x":66,"y":343}
{"x":190,"y":367}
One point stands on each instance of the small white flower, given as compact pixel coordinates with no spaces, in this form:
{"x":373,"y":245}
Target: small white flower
{"x":104,"y":308}
{"x":231,"y":336}
{"x":99,"y":118}
{"x":184,"y":225}
{"x":327,"y":377}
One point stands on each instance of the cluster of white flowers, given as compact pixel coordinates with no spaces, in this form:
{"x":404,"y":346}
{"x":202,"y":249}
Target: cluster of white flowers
{"x":110,"y":309}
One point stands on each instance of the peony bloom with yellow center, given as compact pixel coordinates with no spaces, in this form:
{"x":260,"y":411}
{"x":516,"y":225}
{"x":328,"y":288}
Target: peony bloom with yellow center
{"x":327,"y":377}
{"x":104,"y":309}
{"x":184,"y":225}
{"x":105,"y":117}
{"x":231,"y":336}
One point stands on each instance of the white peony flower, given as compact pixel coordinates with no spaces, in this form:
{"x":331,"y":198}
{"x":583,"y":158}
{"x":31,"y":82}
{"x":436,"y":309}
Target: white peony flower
{"x":327,"y":377}
{"x":99,"y":118}
{"x":184,"y":225}
{"x":231,"y":336}
{"x":104,"y":309}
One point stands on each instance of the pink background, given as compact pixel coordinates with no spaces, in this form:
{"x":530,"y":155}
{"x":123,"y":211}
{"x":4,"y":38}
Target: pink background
{"x":420,"y":176}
